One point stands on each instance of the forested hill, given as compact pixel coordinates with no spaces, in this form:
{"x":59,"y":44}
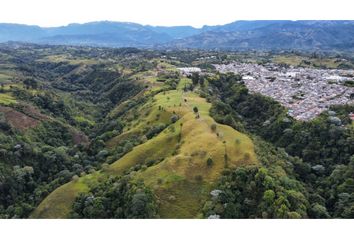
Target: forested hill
{"x":239,"y":35}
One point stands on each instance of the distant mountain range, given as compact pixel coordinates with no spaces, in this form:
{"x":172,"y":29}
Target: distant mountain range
{"x":239,"y":35}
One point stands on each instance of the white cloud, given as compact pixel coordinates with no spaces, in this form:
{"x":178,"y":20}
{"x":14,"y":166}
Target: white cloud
{"x":169,"y":12}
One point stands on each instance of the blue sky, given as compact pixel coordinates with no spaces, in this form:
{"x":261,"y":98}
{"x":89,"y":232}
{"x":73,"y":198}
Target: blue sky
{"x":169,"y":12}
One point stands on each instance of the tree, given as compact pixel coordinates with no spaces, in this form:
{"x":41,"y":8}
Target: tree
{"x":195,"y":78}
{"x":30,"y":83}
{"x":210,"y":162}
{"x":195,"y":109}
{"x":174,"y":118}
{"x":116,"y":198}
{"x":318,"y":211}
{"x":201,"y":81}
{"x":269,"y":197}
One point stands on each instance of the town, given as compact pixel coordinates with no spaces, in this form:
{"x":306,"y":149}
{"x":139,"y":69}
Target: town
{"x":305,"y":92}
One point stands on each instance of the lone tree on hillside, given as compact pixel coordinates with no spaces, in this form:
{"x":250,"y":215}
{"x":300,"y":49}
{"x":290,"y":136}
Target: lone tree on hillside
{"x":196,"y":110}
{"x":210,"y":162}
{"x":174,"y":118}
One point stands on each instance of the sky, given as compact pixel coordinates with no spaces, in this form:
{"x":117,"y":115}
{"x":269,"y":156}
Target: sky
{"x":48,"y":13}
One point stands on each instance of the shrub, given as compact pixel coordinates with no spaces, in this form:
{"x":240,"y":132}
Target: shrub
{"x":174,"y":118}
{"x":210,"y":162}
{"x":154,"y":130}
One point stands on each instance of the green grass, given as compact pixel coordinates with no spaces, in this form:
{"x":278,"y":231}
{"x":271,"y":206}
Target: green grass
{"x":313,"y":62}
{"x":69,"y":59}
{"x":81,"y":119}
{"x":175,"y":180}
{"x":58,"y":203}
{"x":7,"y":99}
{"x":291,"y":60}
{"x":183,"y":82}
{"x":161,"y":146}
{"x":4,"y":78}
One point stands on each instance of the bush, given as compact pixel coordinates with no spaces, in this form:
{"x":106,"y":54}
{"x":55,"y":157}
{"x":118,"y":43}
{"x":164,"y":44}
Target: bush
{"x":174,"y":118}
{"x":4,"y":126}
{"x":153,"y":131}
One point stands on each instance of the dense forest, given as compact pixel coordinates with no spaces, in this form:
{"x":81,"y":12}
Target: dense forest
{"x":121,"y":133}
{"x":322,"y":151}
{"x":64,"y":115}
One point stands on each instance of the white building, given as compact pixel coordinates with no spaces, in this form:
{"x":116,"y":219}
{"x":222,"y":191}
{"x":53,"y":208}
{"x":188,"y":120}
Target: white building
{"x":189,"y":70}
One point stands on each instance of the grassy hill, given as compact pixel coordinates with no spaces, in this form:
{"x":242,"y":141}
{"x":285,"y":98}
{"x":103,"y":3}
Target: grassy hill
{"x":174,"y":162}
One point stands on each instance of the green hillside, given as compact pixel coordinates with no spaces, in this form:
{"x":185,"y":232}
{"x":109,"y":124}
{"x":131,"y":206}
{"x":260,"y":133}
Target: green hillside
{"x":181,"y":178}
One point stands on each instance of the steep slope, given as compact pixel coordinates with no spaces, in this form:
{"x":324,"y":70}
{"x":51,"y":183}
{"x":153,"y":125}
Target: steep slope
{"x":47,"y":119}
{"x":174,"y":162}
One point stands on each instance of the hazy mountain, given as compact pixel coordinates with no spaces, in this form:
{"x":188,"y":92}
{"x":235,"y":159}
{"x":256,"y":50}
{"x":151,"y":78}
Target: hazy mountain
{"x":268,"y":35}
{"x":105,"y":33}
{"x":239,"y":35}
{"x":242,"y":25}
{"x":19,"y":32}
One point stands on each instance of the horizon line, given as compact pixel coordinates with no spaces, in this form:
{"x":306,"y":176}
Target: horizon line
{"x":153,"y":25}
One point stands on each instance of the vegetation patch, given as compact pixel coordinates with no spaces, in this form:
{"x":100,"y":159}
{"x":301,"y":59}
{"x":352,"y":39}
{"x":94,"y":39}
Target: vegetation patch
{"x":7,"y":99}
{"x":18,"y":120}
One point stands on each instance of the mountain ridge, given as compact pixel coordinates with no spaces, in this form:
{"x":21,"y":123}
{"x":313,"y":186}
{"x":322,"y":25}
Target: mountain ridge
{"x":238,"y":35}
